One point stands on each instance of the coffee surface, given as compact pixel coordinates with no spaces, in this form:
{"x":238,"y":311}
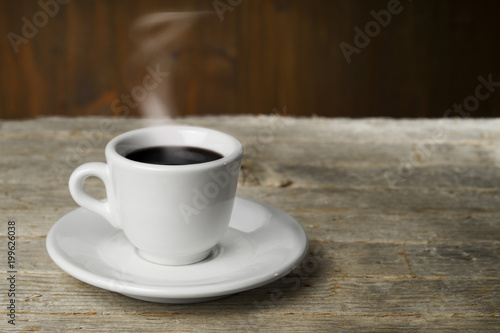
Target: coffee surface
{"x":173,"y":155}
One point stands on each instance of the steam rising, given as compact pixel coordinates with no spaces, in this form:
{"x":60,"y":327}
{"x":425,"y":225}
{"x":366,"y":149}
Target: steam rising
{"x":157,"y":37}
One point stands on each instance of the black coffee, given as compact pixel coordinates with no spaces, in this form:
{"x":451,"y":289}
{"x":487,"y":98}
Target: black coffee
{"x":173,"y":155}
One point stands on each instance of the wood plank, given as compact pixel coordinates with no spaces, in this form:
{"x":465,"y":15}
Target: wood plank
{"x":430,"y":227}
{"x":215,"y":322}
{"x":361,"y":298}
{"x":427,"y":227}
{"x":346,"y":259}
{"x":336,"y":130}
{"x":276,"y":165}
{"x":336,"y":199}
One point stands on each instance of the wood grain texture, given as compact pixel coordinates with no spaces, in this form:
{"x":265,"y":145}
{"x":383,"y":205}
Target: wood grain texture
{"x":419,"y":255}
{"x":256,"y":56}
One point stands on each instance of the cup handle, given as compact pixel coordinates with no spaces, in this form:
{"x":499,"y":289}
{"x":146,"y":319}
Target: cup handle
{"x":76,"y":180}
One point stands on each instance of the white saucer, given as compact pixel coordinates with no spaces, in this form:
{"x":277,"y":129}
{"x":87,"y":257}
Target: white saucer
{"x":261,"y":245}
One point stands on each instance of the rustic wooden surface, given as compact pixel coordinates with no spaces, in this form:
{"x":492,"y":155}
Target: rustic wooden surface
{"x":403,"y":219}
{"x":264,"y":53}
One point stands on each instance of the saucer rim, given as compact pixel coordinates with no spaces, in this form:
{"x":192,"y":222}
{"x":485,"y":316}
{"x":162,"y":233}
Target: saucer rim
{"x":166,"y":293}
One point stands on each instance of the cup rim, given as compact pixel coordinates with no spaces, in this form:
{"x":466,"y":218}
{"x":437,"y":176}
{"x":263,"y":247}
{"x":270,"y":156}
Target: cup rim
{"x":112,"y":153}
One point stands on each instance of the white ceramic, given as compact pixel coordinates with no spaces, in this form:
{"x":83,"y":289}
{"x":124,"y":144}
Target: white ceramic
{"x":262,"y":244}
{"x":173,"y":214}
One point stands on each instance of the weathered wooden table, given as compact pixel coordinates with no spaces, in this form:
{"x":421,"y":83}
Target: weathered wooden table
{"x":403,"y":219}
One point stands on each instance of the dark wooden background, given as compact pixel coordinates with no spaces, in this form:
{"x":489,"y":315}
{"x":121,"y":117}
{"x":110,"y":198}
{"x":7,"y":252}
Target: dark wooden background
{"x":264,"y":55}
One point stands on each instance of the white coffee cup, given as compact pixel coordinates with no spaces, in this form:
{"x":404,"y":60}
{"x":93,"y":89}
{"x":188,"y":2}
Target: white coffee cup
{"x":172,"y":214}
